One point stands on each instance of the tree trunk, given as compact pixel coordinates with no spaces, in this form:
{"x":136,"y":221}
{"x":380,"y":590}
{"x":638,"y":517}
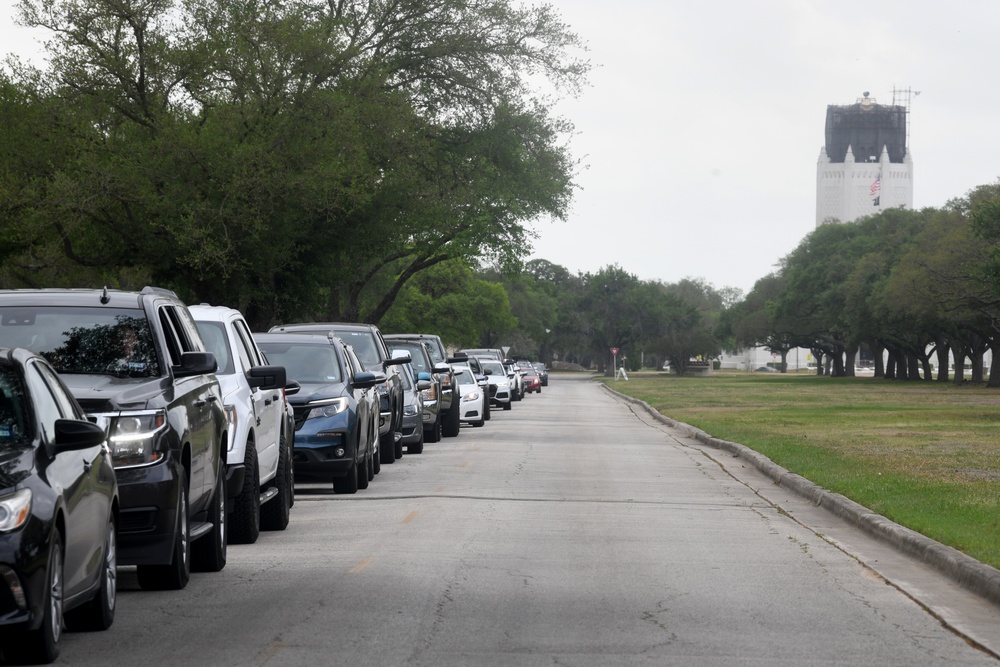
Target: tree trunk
{"x":878,"y":352}
{"x":784,"y":361}
{"x":977,"y":364}
{"x":994,"y":380}
{"x":958,"y":352}
{"x":850,"y":362}
{"x":890,"y":364}
{"x":912,"y":366}
{"x":942,"y":359}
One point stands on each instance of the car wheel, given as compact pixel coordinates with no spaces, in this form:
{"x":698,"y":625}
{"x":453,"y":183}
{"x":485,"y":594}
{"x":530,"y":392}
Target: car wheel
{"x":275,"y":514}
{"x":416,"y":447}
{"x":377,"y":456}
{"x":362,"y":470}
{"x":99,"y":613}
{"x":434,"y":433}
{"x":42,"y":645}
{"x":349,"y":482}
{"x":209,"y":553}
{"x":387,"y":448}
{"x":175,"y":575}
{"x":397,"y":448}
{"x":486,"y":409}
{"x":507,"y":405}
{"x":246,"y":508}
{"x":452,"y":422}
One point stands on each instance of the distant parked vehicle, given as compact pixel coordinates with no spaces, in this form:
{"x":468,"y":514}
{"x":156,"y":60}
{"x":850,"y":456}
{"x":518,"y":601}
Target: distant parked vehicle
{"x":496,"y":374}
{"x":58,"y":513}
{"x":413,"y":411}
{"x":543,"y":373}
{"x":441,"y":371}
{"x":432,"y":417}
{"x":370,"y":346}
{"x":336,"y":409}
{"x":532,"y":383}
{"x":473,"y":396}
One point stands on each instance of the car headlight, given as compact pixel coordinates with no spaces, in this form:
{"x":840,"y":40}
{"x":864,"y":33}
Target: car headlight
{"x":410,"y":410}
{"x":430,"y":394}
{"x":327,"y":408}
{"x":133,"y":437}
{"x":471,"y":396}
{"x":503,"y":384}
{"x":15,"y":510}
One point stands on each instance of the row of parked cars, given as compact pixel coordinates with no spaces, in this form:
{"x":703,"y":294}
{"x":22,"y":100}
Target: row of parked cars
{"x":135,"y":430}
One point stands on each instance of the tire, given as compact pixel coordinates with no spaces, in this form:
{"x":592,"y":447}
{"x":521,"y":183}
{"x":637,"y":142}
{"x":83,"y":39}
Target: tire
{"x":275,"y":514}
{"x":434,"y":433}
{"x":176,"y":574}
{"x":452,"y":422}
{"x":416,"y":447}
{"x":245,"y":524}
{"x":362,"y":470}
{"x":397,"y":448}
{"x":349,"y":482}
{"x":99,"y":613}
{"x":208,"y":554}
{"x":486,"y":407}
{"x":507,"y":405}
{"x":387,"y":448}
{"x":42,"y":645}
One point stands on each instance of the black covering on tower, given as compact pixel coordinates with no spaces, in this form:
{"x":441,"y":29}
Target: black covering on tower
{"x":866,"y":127}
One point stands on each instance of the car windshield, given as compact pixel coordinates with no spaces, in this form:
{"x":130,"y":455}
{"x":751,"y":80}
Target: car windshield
{"x":13,"y":420}
{"x":466,"y":377}
{"x":306,"y":363}
{"x":217,"y":342}
{"x":101,"y":341}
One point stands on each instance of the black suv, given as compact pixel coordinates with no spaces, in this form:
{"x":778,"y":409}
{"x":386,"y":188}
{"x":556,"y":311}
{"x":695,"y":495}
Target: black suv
{"x":373,"y":352}
{"x":138,"y":367}
{"x":450,"y":397}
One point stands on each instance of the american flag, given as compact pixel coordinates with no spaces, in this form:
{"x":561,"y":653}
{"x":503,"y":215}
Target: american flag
{"x":877,"y":185}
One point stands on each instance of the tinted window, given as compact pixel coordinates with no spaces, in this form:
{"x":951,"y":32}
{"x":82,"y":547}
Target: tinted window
{"x":466,"y":377}
{"x":44,"y":404}
{"x":305,"y":363}
{"x":105,"y":341}
{"x":13,"y":410}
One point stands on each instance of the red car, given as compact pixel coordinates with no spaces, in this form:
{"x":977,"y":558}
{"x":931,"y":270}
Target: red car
{"x":532,"y":382}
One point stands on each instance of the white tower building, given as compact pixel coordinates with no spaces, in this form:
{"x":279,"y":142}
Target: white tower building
{"x":865,"y":166}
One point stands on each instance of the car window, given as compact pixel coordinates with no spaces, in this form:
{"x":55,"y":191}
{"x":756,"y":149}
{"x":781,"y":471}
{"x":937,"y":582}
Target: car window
{"x":104,"y":341}
{"x":14,"y":422}
{"x":217,"y":342}
{"x":363,"y":343}
{"x":418,"y":356}
{"x":466,"y":377}
{"x":305,"y":363}
{"x":44,"y":404}
{"x":68,"y":407}
{"x":246,"y":338}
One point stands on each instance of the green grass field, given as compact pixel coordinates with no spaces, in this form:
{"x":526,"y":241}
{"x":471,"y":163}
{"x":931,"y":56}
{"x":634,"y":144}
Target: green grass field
{"x":924,"y":454}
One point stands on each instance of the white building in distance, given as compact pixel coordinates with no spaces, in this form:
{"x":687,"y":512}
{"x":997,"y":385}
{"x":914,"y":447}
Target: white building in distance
{"x":865,"y":166}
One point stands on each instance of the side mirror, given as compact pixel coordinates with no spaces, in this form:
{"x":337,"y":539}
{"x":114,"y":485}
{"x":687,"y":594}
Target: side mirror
{"x":195,"y":363}
{"x":267,"y":377}
{"x":398,"y":357}
{"x":424,"y":375}
{"x":488,"y":371}
{"x":365,"y":379}
{"x":74,"y":434}
{"x":292,"y":387}
{"x":442,"y":368}
{"x":423,"y":385}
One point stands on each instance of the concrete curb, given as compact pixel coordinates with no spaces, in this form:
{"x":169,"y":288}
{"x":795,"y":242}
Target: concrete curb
{"x":970,"y":573}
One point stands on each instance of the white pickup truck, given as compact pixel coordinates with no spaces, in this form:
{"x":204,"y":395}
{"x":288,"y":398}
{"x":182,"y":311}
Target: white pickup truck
{"x":260,"y":475}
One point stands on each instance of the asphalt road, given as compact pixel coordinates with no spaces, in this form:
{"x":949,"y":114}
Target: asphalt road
{"x":570,"y":530}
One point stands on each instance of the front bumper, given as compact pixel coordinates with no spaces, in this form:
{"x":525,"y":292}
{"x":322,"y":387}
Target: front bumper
{"x":148,"y":498}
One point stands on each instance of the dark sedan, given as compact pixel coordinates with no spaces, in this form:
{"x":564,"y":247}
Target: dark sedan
{"x":336,"y":408}
{"x":58,"y":513}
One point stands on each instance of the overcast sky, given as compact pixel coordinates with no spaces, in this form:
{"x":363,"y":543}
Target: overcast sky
{"x":703,"y":122}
